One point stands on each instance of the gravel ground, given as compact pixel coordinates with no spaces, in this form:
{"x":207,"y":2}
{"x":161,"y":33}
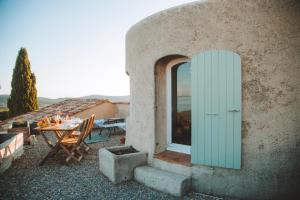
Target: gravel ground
{"x":54,"y":180}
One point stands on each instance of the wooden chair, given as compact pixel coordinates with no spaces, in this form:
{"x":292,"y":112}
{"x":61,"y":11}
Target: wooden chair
{"x":89,"y":128}
{"x":85,"y":146}
{"x":89,"y":132}
{"x":71,"y":145}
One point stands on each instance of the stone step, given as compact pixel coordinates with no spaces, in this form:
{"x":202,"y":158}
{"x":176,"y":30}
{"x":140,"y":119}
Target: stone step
{"x":171,"y":167}
{"x":171,"y":183}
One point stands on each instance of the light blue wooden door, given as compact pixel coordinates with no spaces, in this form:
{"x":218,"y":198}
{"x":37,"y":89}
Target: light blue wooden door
{"x":216,"y":109}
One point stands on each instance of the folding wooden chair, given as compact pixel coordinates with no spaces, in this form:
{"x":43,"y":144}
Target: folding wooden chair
{"x":89,"y":132}
{"x":71,"y":145}
{"x":89,"y":128}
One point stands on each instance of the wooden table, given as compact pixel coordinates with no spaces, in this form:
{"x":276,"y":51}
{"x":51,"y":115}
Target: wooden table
{"x":60,"y":131}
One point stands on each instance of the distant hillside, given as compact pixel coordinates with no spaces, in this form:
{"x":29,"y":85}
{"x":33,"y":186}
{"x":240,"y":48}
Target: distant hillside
{"x":111,"y":98}
{"x":3,"y":100}
{"x":42,"y":101}
{"x":47,"y":101}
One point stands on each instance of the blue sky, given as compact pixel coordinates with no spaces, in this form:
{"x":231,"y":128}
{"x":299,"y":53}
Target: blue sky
{"x":75,"y":47}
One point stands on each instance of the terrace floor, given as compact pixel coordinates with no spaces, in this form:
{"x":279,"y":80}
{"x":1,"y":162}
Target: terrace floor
{"x":54,"y":180}
{"x":174,"y":157}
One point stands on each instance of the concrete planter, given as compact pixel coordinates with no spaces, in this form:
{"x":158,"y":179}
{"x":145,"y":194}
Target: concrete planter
{"x":120,"y":168}
{"x":11,"y":147}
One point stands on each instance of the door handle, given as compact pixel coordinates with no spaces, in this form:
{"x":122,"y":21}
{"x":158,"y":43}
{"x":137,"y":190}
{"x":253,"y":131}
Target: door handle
{"x":234,"y":110}
{"x":212,"y":113}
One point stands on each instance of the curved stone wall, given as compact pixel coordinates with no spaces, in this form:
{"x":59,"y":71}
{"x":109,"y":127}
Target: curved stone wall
{"x":266,"y":34}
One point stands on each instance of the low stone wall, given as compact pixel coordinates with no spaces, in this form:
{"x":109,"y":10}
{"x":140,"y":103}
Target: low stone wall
{"x":11,"y":147}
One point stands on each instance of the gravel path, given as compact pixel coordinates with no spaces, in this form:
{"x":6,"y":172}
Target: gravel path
{"x":54,"y":180}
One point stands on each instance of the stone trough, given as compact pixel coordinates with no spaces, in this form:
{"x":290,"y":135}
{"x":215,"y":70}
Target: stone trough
{"x":11,"y":147}
{"x":118,"y":163}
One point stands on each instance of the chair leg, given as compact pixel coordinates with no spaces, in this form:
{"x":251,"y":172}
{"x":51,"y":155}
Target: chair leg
{"x":77,"y":150}
{"x":86,"y":147}
{"x":71,"y":154}
{"x":74,"y":157}
{"x":90,"y":135}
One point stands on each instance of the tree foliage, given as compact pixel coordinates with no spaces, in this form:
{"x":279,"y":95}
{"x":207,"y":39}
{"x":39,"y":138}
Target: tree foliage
{"x":23,"y":96}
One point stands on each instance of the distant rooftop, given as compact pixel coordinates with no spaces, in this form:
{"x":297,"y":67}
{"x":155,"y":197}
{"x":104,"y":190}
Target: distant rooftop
{"x":67,"y":107}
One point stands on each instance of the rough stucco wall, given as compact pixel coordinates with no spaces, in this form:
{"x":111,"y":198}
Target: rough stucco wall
{"x":266,"y":34}
{"x":104,"y":110}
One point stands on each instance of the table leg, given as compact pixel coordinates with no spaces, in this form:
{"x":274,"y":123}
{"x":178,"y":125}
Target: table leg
{"x":54,"y":149}
{"x":48,"y":142}
{"x":51,"y":153}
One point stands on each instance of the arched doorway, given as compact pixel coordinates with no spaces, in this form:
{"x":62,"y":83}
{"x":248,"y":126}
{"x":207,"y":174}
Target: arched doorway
{"x":178,"y":76}
{"x":162,"y":67}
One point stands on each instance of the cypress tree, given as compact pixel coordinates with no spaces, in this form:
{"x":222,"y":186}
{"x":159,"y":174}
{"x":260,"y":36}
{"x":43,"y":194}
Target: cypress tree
{"x":23,"y":96}
{"x":33,"y":93}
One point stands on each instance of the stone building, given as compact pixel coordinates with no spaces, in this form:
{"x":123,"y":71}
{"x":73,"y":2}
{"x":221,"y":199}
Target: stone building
{"x":215,"y":95}
{"x":82,"y":108}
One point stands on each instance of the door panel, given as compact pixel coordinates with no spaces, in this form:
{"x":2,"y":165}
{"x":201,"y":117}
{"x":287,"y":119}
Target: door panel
{"x":208,"y":108}
{"x":216,"y":109}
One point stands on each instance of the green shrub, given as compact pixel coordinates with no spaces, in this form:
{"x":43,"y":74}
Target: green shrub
{"x":4,"y":115}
